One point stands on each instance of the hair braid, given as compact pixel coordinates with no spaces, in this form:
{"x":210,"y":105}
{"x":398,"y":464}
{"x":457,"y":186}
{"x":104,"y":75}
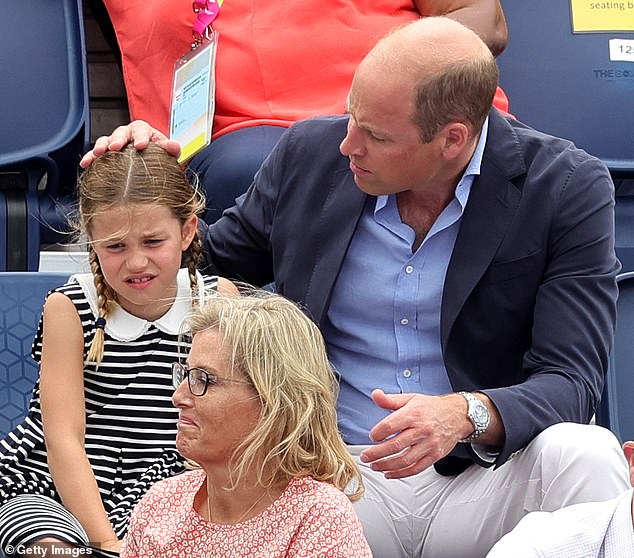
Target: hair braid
{"x":104,"y":296}
{"x":193,"y":256}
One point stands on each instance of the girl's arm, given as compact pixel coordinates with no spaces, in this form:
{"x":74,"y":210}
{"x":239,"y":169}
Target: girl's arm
{"x":227,"y":288}
{"x":64,"y":419}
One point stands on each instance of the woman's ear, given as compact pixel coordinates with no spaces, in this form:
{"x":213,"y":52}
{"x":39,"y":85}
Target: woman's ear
{"x":188,"y":231}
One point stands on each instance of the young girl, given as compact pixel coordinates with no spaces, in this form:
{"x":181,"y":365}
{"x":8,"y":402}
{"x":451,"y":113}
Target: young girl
{"x":101,"y":428}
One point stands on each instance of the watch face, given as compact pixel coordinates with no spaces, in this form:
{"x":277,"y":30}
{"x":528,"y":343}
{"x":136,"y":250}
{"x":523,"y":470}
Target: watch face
{"x":481,"y":414}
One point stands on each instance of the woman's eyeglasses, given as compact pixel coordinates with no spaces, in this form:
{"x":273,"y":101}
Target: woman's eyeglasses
{"x":197,"y":379}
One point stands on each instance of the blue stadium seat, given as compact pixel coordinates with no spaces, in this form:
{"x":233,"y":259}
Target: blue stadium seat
{"x":22,"y":296}
{"x":44,"y":120}
{"x":624,"y":231}
{"x":564,"y":83}
{"x":616,"y":411}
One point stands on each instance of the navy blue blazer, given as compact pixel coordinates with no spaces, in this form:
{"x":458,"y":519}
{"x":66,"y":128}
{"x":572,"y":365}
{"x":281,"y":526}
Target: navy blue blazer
{"x":528,"y":307}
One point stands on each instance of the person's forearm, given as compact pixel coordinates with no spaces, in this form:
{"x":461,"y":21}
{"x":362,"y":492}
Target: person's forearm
{"x":490,"y":27}
{"x":485,"y":17}
{"x":75,"y":481}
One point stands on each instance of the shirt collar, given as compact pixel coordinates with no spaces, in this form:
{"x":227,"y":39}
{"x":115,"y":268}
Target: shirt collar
{"x":473,"y":168}
{"x":123,"y":326}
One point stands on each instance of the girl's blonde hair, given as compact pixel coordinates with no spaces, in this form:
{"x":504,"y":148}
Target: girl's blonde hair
{"x":282,"y":354}
{"x":126,"y":177}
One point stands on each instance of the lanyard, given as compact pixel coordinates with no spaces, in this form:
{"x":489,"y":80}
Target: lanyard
{"x":206,"y":11}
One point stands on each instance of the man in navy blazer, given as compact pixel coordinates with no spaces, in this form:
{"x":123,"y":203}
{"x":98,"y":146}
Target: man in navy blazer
{"x":461,"y":266}
{"x":528,"y":305}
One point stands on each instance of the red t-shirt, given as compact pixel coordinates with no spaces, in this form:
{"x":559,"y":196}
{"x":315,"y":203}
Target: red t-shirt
{"x":277,"y":62}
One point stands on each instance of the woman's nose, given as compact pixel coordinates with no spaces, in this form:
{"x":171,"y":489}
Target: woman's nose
{"x":181,"y":396}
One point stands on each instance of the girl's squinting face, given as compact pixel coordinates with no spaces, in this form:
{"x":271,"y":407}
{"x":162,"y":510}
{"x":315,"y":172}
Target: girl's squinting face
{"x":139,"y":248}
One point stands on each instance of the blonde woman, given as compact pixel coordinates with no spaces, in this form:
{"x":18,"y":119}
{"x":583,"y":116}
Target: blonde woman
{"x":257,"y":415}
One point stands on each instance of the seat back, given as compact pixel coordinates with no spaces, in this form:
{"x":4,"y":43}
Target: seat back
{"x":22,"y":296}
{"x":616,"y":411}
{"x":44,"y":117}
{"x":624,"y":231}
{"x":566,"y":83}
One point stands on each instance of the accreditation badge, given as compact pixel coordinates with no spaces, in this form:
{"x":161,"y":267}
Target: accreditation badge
{"x":193,"y":98}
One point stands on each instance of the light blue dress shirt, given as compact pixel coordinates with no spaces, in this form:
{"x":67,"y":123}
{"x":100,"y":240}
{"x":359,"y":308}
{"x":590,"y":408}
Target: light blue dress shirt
{"x":383,"y":323}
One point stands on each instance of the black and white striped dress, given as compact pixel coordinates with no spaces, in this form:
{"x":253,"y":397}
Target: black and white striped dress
{"x":130,"y":421}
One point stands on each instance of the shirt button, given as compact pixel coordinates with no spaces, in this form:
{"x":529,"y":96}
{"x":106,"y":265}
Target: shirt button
{"x":409,"y":269}
{"x":404,"y":321}
{"x":407,"y":372}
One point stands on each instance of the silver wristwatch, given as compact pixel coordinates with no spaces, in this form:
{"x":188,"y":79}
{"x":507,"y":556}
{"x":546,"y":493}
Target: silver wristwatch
{"x":478,"y":414}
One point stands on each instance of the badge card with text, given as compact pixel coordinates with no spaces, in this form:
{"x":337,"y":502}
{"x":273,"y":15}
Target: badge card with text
{"x":193,"y":104}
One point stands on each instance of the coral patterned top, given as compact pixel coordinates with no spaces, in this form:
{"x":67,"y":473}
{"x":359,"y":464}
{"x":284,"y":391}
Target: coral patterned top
{"x":310,"y":519}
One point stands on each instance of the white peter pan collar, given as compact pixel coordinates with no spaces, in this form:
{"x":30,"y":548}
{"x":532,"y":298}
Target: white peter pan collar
{"x":123,"y":326}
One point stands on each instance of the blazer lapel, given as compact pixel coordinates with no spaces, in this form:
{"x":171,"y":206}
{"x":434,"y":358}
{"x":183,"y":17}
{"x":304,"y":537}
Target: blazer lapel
{"x":492,"y":203}
{"x":336,"y":224}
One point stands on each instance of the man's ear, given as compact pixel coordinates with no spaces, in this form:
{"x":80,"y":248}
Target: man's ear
{"x":456,"y":137}
{"x":628,"y":449}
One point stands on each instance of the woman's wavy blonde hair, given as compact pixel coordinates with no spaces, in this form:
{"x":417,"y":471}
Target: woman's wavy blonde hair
{"x":127,"y":177}
{"x":282,"y":354}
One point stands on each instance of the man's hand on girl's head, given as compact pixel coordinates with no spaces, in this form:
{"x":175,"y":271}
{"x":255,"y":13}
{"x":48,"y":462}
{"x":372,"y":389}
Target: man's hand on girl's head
{"x":139,"y":133}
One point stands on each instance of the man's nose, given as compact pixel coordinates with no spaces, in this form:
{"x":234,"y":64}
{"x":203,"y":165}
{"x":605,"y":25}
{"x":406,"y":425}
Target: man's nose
{"x":352,"y":144}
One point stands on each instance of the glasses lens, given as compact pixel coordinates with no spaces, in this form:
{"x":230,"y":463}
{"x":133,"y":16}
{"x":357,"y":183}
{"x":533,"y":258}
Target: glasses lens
{"x":178,"y":374}
{"x":197,"y":381}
